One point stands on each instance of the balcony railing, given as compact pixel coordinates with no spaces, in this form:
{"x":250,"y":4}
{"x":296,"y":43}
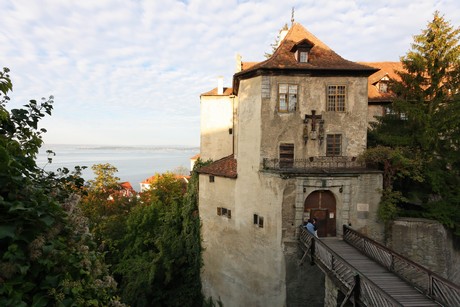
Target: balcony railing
{"x":441,"y":290}
{"x":313,"y":164}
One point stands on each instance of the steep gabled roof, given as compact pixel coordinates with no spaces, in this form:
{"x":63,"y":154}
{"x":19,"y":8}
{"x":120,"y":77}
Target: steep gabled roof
{"x":321,"y":59}
{"x":225,"y":167}
{"x":227,"y":92}
{"x":386,"y":69}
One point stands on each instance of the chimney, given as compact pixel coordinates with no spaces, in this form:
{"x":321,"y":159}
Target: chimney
{"x":220,"y":85}
{"x":282,"y":35}
{"x":238,"y":63}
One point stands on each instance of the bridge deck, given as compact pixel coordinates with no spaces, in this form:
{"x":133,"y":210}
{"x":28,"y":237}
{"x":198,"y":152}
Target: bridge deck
{"x":387,"y":281}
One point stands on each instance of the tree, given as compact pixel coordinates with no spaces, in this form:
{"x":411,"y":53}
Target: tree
{"x":107,"y":210}
{"x":275,"y":45}
{"x":425,"y":124}
{"x":47,"y":257}
{"x":161,"y":259}
{"x":105,"y":180}
{"x":164,"y":188}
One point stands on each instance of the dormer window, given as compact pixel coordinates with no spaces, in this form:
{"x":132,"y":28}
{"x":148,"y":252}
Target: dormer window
{"x":382,"y":85}
{"x":302,"y":50}
{"x":303,"y":56}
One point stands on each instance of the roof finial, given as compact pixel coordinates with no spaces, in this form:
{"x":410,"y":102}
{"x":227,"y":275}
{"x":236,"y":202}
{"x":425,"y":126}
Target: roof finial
{"x":292,"y":17}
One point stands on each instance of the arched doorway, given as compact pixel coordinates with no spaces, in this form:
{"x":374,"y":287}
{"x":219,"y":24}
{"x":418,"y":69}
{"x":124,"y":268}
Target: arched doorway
{"x":322,"y":205}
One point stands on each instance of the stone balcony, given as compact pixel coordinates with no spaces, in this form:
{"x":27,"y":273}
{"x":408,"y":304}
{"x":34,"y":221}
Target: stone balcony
{"x":316,"y":165}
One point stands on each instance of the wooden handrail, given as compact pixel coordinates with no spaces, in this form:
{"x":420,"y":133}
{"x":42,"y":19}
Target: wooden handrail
{"x":367,"y":292}
{"x":431,"y":284}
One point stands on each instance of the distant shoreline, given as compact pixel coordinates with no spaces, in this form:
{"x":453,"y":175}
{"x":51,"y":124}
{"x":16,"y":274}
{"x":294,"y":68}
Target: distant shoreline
{"x":134,"y":163}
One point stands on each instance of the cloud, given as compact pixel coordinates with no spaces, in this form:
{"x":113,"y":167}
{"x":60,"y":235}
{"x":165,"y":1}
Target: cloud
{"x":131,"y":72}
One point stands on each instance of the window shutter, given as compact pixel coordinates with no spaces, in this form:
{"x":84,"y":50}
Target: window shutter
{"x":286,"y":155}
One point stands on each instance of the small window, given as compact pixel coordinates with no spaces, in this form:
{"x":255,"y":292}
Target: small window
{"x":383,"y":87}
{"x":286,"y":155}
{"x":224,"y":212}
{"x":303,"y":56}
{"x":334,"y":145}
{"x":211,"y":178}
{"x":390,"y":111}
{"x":336,"y":95}
{"x":287,"y":97}
{"x":230,"y":131}
{"x":259,"y":220}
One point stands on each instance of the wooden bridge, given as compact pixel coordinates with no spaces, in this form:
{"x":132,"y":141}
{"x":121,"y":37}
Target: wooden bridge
{"x":372,"y":275}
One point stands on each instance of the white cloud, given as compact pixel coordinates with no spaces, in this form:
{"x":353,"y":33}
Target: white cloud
{"x":125,"y":71}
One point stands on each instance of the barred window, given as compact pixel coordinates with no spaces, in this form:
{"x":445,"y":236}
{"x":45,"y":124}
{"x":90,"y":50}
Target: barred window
{"x":287,"y":97}
{"x":333,"y":145}
{"x":336,"y":95}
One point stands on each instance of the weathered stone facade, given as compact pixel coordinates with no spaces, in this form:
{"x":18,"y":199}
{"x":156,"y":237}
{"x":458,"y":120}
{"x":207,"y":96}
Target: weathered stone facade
{"x":426,"y":242}
{"x":249,"y":255}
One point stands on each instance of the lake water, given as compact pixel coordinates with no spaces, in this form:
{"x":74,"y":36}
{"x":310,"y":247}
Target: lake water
{"x":134,"y":163}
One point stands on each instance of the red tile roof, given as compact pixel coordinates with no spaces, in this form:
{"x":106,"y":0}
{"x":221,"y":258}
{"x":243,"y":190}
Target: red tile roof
{"x":153,"y":178}
{"x":247,"y":65}
{"x":321,"y":59}
{"x":227,"y":92}
{"x":126,"y":185}
{"x":385,"y":69}
{"x":225,"y":167}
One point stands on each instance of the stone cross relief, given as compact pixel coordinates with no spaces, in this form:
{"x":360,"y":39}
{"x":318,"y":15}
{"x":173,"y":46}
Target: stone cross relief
{"x":315,"y":120}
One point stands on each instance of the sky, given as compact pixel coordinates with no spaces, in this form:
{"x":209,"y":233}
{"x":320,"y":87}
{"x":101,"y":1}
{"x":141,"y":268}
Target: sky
{"x":130,"y":72}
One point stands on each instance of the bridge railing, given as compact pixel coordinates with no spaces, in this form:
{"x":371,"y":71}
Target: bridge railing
{"x":434,"y":286}
{"x":362,"y":289}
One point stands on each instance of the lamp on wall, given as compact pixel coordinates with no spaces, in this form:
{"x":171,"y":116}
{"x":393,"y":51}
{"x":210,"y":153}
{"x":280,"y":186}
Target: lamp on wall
{"x":341,"y":189}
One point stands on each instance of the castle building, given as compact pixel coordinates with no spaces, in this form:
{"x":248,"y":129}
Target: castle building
{"x":285,"y":141}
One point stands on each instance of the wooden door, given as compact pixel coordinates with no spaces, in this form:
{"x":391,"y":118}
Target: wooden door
{"x":322,"y":205}
{"x":322,"y":221}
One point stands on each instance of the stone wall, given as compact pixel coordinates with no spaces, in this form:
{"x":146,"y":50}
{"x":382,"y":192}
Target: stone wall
{"x":304,"y":282}
{"x":426,"y":242}
{"x":331,"y":293}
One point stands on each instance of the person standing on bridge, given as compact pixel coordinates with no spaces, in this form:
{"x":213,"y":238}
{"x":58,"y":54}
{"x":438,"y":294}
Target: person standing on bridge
{"x":315,"y":226}
{"x":311,"y":227}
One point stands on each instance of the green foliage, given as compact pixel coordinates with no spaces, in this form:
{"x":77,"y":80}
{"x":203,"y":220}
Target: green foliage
{"x":162,"y":247}
{"x":421,"y":158}
{"x":46,"y":255}
{"x":105,"y":180}
{"x":107,"y":211}
{"x":153,"y":243}
{"x":388,"y":209}
{"x":396,"y":163}
{"x":165,"y":188}
{"x":5,"y":82}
